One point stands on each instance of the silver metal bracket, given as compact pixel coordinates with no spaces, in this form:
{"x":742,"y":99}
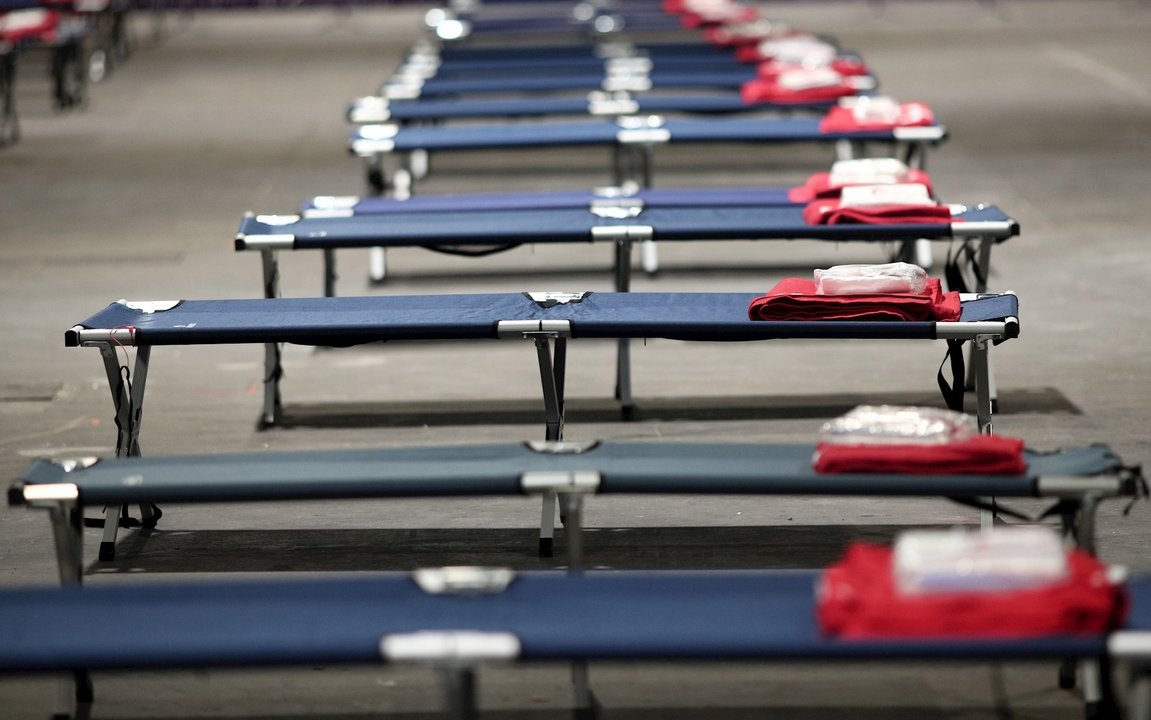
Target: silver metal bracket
{"x":450,"y":647}
{"x":549,"y":298}
{"x":463,"y":580}
{"x":546,"y":447}
{"x":532,"y":328}
{"x":51,"y":495}
{"x":618,"y":208}
{"x":560,"y":481}
{"x":371,"y":109}
{"x":618,"y":233}
{"x":639,"y":130}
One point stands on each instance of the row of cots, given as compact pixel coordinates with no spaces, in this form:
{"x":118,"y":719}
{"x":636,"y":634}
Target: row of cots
{"x":749,"y":80}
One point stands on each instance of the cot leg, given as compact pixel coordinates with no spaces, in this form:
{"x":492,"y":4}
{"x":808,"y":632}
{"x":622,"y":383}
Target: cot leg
{"x":111,"y":525}
{"x":573,"y":528}
{"x":377,"y":265}
{"x":377,"y":183}
{"x":329,"y":272}
{"x":923,"y":254}
{"x":418,"y":161}
{"x":127,"y":396}
{"x":1139,"y":693}
{"x":623,"y":379}
{"x":649,"y":256}
{"x":459,"y":693}
{"x":583,"y":699}
{"x":273,"y":371}
{"x":981,"y":366}
{"x":1098,"y":695}
{"x":9,"y":120}
{"x":271,"y":268}
{"x":75,"y":697}
{"x":547,"y":524}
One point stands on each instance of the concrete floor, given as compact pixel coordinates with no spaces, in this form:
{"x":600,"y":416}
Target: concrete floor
{"x":138,"y":196}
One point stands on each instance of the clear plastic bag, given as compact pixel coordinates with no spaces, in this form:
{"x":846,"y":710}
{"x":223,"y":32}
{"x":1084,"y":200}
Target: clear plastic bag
{"x":898,"y":425}
{"x":968,"y":560}
{"x":891,"y":194}
{"x":896,"y":277}
{"x":868,"y":171}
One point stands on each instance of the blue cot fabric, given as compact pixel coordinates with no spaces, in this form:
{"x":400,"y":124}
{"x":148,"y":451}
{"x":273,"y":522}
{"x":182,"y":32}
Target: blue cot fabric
{"x":521,"y":53}
{"x":610,"y":616}
{"x":353,"y":320}
{"x":479,"y":470}
{"x":652,"y":197}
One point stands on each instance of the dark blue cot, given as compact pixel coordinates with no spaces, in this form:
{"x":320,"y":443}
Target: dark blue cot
{"x":458,"y":619}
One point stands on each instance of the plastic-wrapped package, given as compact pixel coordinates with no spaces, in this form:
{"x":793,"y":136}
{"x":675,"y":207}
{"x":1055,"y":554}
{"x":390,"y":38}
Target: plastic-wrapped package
{"x":805,"y":50}
{"x":803,"y":78}
{"x":967,"y":560}
{"x":869,"y":171}
{"x":898,"y":425}
{"x":898,"y":277}
{"x":902,"y":194}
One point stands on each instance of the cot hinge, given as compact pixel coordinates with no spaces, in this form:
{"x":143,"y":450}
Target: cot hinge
{"x":923,"y":133}
{"x":463,"y":580}
{"x":563,"y":481}
{"x":640,"y":130}
{"x":611,"y":103}
{"x":48,"y":495}
{"x":335,"y":202}
{"x":402,"y":91}
{"x":617,"y":233}
{"x":449,"y":647}
{"x":371,"y":109}
{"x":529,"y":328}
{"x":375,"y":139}
{"x":617,"y":208}
{"x":556,"y":447}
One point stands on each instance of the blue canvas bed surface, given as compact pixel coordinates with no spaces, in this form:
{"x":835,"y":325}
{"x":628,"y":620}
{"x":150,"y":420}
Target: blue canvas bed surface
{"x":353,"y":320}
{"x":498,"y":469}
{"x":580,"y":225}
{"x":372,"y":138}
{"x":552,"y":617}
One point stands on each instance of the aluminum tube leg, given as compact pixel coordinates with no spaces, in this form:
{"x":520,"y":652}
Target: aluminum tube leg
{"x":844,"y":150}
{"x":553,"y":411}
{"x":648,"y":250}
{"x":418,"y":162}
{"x":983,"y":270}
{"x":111,"y":526}
{"x":375,"y":174}
{"x":121,"y":399}
{"x":923,"y":254}
{"x":139,"y":382}
{"x":623,"y":378}
{"x":623,"y":265}
{"x":582,"y":697}
{"x":649,"y":256}
{"x":573,"y":528}
{"x":377,"y":264}
{"x":1085,"y":527}
{"x":981,"y":366}
{"x":1139,"y":693}
{"x":68,"y":535}
{"x":459,"y":693}
{"x":329,"y":272}
{"x":271,"y":268}
{"x":273,"y":370}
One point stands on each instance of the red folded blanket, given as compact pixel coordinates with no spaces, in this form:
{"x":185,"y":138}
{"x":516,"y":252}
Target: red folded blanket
{"x":819,"y":187}
{"x":858,"y":600}
{"x":771,"y":91}
{"x":982,"y":455}
{"x":691,"y":19}
{"x":796,"y":299}
{"x":844,"y":119}
{"x":831,"y":212}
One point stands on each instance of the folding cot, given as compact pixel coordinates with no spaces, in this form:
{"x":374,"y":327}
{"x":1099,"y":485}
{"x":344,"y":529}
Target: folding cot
{"x":30,"y":24}
{"x":487,"y":222}
{"x":1078,"y":479}
{"x":633,"y":140}
{"x":549,"y":320}
{"x":458,"y":619}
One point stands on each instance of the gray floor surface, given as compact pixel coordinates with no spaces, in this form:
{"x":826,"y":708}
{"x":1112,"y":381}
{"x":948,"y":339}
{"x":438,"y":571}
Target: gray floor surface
{"x":138,"y":196}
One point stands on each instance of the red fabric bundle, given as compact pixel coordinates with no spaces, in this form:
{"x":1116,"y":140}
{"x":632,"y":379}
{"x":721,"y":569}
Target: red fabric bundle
{"x":982,"y":455}
{"x":736,"y":15}
{"x":796,"y":299}
{"x":819,"y":187}
{"x":770,"y":90}
{"x":858,"y":600}
{"x":843,"y":119}
{"x":26,"y":24}
{"x":673,"y":7}
{"x":831,"y":212}
{"x":846,"y":66}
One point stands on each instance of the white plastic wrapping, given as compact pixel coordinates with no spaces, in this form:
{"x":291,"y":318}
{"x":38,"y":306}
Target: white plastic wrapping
{"x":872,"y":108}
{"x":806,"y":50}
{"x":893,"y":194}
{"x":869,"y":171}
{"x":967,"y":560}
{"x":898,"y":425}
{"x":804,"y":78}
{"x":898,"y":277}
